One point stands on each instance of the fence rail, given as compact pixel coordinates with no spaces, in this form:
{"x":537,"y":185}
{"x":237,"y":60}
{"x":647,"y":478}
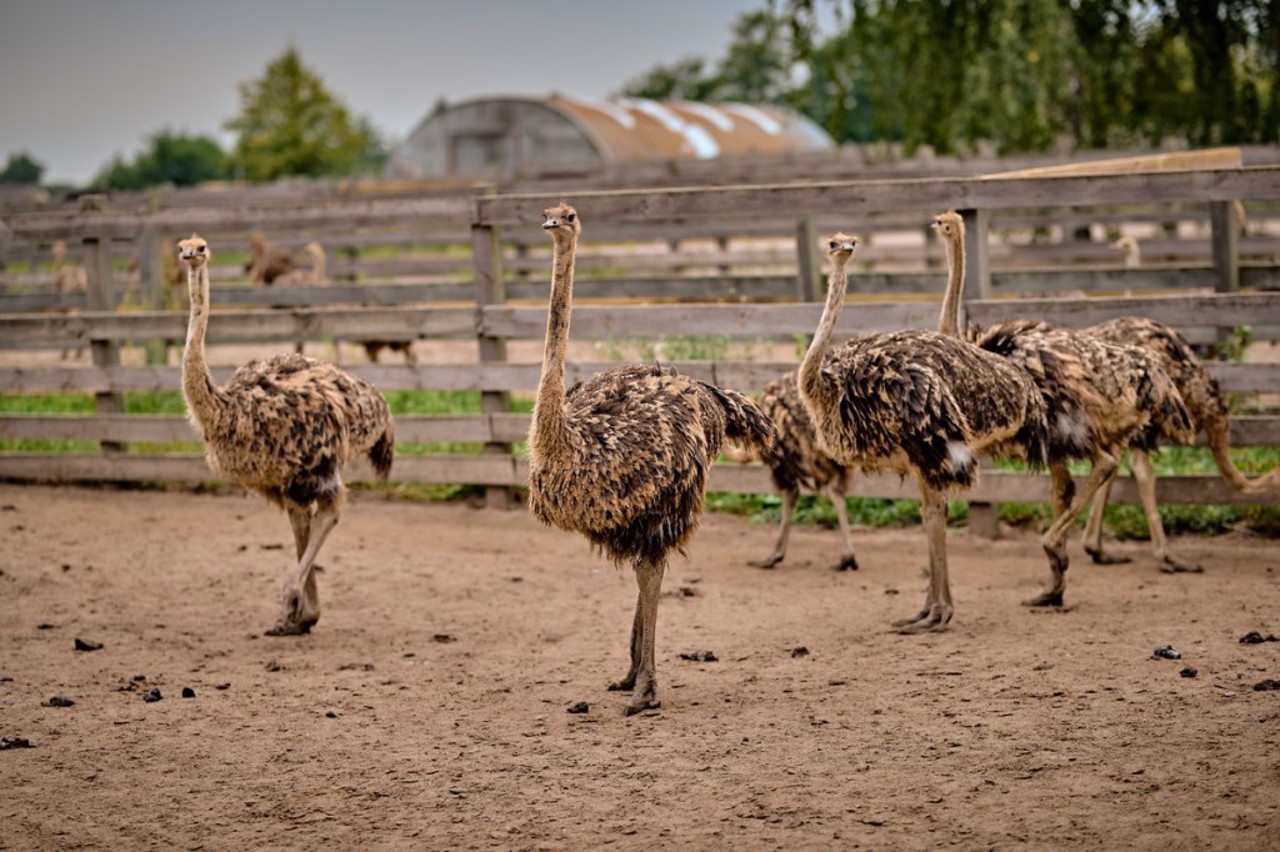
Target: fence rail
{"x":484,"y":307}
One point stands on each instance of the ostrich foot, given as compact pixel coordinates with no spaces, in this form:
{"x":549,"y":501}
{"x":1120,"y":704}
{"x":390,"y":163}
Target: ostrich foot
{"x":847,"y":563}
{"x":297,"y":615}
{"x":768,"y":562}
{"x":1049,"y":598}
{"x":935,"y":619}
{"x":644,"y":698}
{"x":1170,"y":565}
{"x":1101,"y":558}
{"x":627,"y":684}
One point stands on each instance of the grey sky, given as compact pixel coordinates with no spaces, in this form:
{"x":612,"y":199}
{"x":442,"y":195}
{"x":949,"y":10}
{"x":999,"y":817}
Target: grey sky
{"x":81,"y":80}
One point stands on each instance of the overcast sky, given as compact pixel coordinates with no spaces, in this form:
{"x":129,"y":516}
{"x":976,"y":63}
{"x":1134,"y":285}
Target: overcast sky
{"x":81,"y":80}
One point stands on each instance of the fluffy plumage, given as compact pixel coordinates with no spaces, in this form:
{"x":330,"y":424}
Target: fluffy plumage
{"x":797,"y":460}
{"x":1206,"y":405}
{"x":623,"y":458}
{"x":284,"y":427}
{"x":266,"y":261}
{"x":918,"y":403}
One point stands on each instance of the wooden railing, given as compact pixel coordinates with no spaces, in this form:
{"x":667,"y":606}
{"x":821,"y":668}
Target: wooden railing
{"x":489,"y":317}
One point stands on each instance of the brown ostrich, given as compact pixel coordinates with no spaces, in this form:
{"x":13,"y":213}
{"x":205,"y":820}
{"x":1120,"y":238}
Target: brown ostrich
{"x":283,"y":427}
{"x":303,"y":275}
{"x":1209,"y":412}
{"x":917,"y":403}
{"x":267,"y":261}
{"x":1127,"y":244}
{"x":797,"y":460}
{"x":623,"y":458}
{"x":68,"y":277}
{"x":1102,"y":398}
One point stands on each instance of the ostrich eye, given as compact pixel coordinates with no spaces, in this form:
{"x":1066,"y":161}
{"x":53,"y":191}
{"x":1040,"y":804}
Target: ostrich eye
{"x":831,"y":244}
{"x":570,"y":217}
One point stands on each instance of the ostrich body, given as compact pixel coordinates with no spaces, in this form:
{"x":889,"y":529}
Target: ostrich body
{"x":623,"y":458}
{"x":1208,"y":409}
{"x":267,"y":261}
{"x":917,"y":403}
{"x":283,"y":427}
{"x":797,"y":460}
{"x":314,"y":274}
{"x":1101,"y":399}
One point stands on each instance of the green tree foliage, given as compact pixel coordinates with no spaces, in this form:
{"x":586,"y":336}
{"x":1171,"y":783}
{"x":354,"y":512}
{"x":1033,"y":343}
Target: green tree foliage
{"x":1024,"y":74}
{"x":169,"y":158}
{"x":290,"y":124}
{"x":22,"y":169}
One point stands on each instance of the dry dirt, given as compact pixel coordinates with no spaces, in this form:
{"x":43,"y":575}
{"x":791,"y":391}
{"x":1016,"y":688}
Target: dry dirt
{"x":428,"y":708}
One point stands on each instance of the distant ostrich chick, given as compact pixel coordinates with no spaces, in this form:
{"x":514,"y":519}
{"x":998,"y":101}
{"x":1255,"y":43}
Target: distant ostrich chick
{"x":314,"y":274}
{"x":623,"y":458}
{"x":283,"y":427}
{"x":1128,"y":245}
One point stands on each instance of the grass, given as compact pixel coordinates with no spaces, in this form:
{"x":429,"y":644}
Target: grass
{"x":1124,"y":521}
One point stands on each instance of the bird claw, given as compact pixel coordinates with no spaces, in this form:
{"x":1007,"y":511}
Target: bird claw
{"x":625,"y":685}
{"x":847,"y":563}
{"x":1170,"y":565}
{"x":1045,"y":599}
{"x":767,"y":562}
{"x":1101,"y":558}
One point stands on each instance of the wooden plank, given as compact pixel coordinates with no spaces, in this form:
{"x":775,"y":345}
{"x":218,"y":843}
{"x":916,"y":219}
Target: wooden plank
{"x":228,"y":326}
{"x":853,"y":198}
{"x":424,"y":212}
{"x":490,"y":290}
{"x":1209,"y":158}
{"x":506,"y":471}
{"x":758,"y":321}
{"x":1225,"y":309}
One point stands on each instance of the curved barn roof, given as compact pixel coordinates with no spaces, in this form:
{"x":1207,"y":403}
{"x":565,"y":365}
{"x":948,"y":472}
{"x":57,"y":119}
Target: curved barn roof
{"x":506,"y":135}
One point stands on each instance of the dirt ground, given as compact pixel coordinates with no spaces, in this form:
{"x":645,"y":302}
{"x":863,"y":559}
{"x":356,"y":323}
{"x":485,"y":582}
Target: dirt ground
{"x":429,"y":707}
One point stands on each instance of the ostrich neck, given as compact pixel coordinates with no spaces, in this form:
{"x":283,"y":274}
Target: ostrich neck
{"x":549,"y":420}
{"x":837,"y":283}
{"x":318,"y":272}
{"x":197,"y":383}
{"x":949,"y":322}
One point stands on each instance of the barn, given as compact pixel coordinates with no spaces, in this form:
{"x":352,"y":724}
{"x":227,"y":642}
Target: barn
{"x":513,"y":136}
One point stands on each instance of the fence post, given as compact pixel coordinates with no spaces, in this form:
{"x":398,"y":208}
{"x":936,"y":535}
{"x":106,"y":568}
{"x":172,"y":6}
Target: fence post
{"x":1226,"y":250}
{"x":491,"y":289}
{"x":984,"y":518}
{"x":154,"y":288}
{"x":100,"y":296}
{"x":808,"y":286}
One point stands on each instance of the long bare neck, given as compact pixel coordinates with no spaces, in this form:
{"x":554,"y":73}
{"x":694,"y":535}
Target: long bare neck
{"x":318,"y":272}
{"x":550,"y":425}
{"x":197,"y":383}
{"x":949,"y":321}
{"x":837,"y":284}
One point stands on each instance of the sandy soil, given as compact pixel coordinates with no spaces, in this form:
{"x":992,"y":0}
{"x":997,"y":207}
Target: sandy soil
{"x":429,"y":707}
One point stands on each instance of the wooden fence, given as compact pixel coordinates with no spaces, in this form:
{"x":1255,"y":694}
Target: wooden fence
{"x":486,"y":309}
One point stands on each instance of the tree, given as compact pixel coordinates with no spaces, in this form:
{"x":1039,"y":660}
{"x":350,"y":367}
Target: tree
{"x":681,"y":80}
{"x":169,"y":158}
{"x":290,"y":124}
{"x":22,"y":169}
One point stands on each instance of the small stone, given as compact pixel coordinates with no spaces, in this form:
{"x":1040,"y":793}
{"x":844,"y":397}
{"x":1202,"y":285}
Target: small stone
{"x":331,"y":715}
{"x":444,"y":638}
{"x":188,"y":692}
{"x":44,"y":625}
{"x":7,"y":743}
{"x":223,"y":686}
{"x":59,"y":701}
{"x":152,"y":695}
{"x":579,"y":707}
{"x":1253,"y":637}
{"x":274,"y":666}
{"x":1166,"y":652}
{"x":87,"y":645}
{"x":1189,"y":672}
{"x":701,"y":657}
{"x":799,"y":651}
{"x":1266,"y":685}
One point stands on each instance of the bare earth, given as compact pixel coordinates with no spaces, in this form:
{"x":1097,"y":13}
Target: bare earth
{"x":428,"y":708}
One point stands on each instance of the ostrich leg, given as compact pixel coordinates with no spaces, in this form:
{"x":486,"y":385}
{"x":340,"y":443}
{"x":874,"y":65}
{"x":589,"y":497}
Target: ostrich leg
{"x":1093,"y":530}
{"x":835,"y":493}
{"x":645,"y":694}
{"x":628,"y":681}
{"x":938,"y":606}
{"x":1055,"y":540}
{"x":784,"y":532}
{"x":1144,"y":477}
{"x":300,"y":599}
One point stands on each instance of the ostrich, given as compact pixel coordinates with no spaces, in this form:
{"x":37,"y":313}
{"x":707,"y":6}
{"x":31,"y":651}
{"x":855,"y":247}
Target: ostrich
{"x":68,"y":277}
{"x":283,"y":427}
{"x":918,"y":403}
{"x":1128,"y":245}
{"x":315,"y":274}
{"x":798,"y":460}
{"x":623,"y":459}
{"x":266,"y":261}
{"x":1100,"y":397}
{"x":1208,"y":409}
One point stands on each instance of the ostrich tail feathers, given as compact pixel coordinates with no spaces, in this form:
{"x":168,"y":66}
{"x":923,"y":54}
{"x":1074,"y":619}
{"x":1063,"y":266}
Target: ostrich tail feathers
{"x":383,"y":451}
{"x":745,"y":422}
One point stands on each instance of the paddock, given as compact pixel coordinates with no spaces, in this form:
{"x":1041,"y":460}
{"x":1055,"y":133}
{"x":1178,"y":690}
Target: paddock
{"x":430,"y":707}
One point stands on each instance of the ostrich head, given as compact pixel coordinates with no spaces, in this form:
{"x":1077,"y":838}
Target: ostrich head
{"x":840,"y":247}
{"x":561,"y":222}
{"x":949,"y":225}
{"x":59,"y":250}
{"x":194,"y":251}
{"x":314,"y":250}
